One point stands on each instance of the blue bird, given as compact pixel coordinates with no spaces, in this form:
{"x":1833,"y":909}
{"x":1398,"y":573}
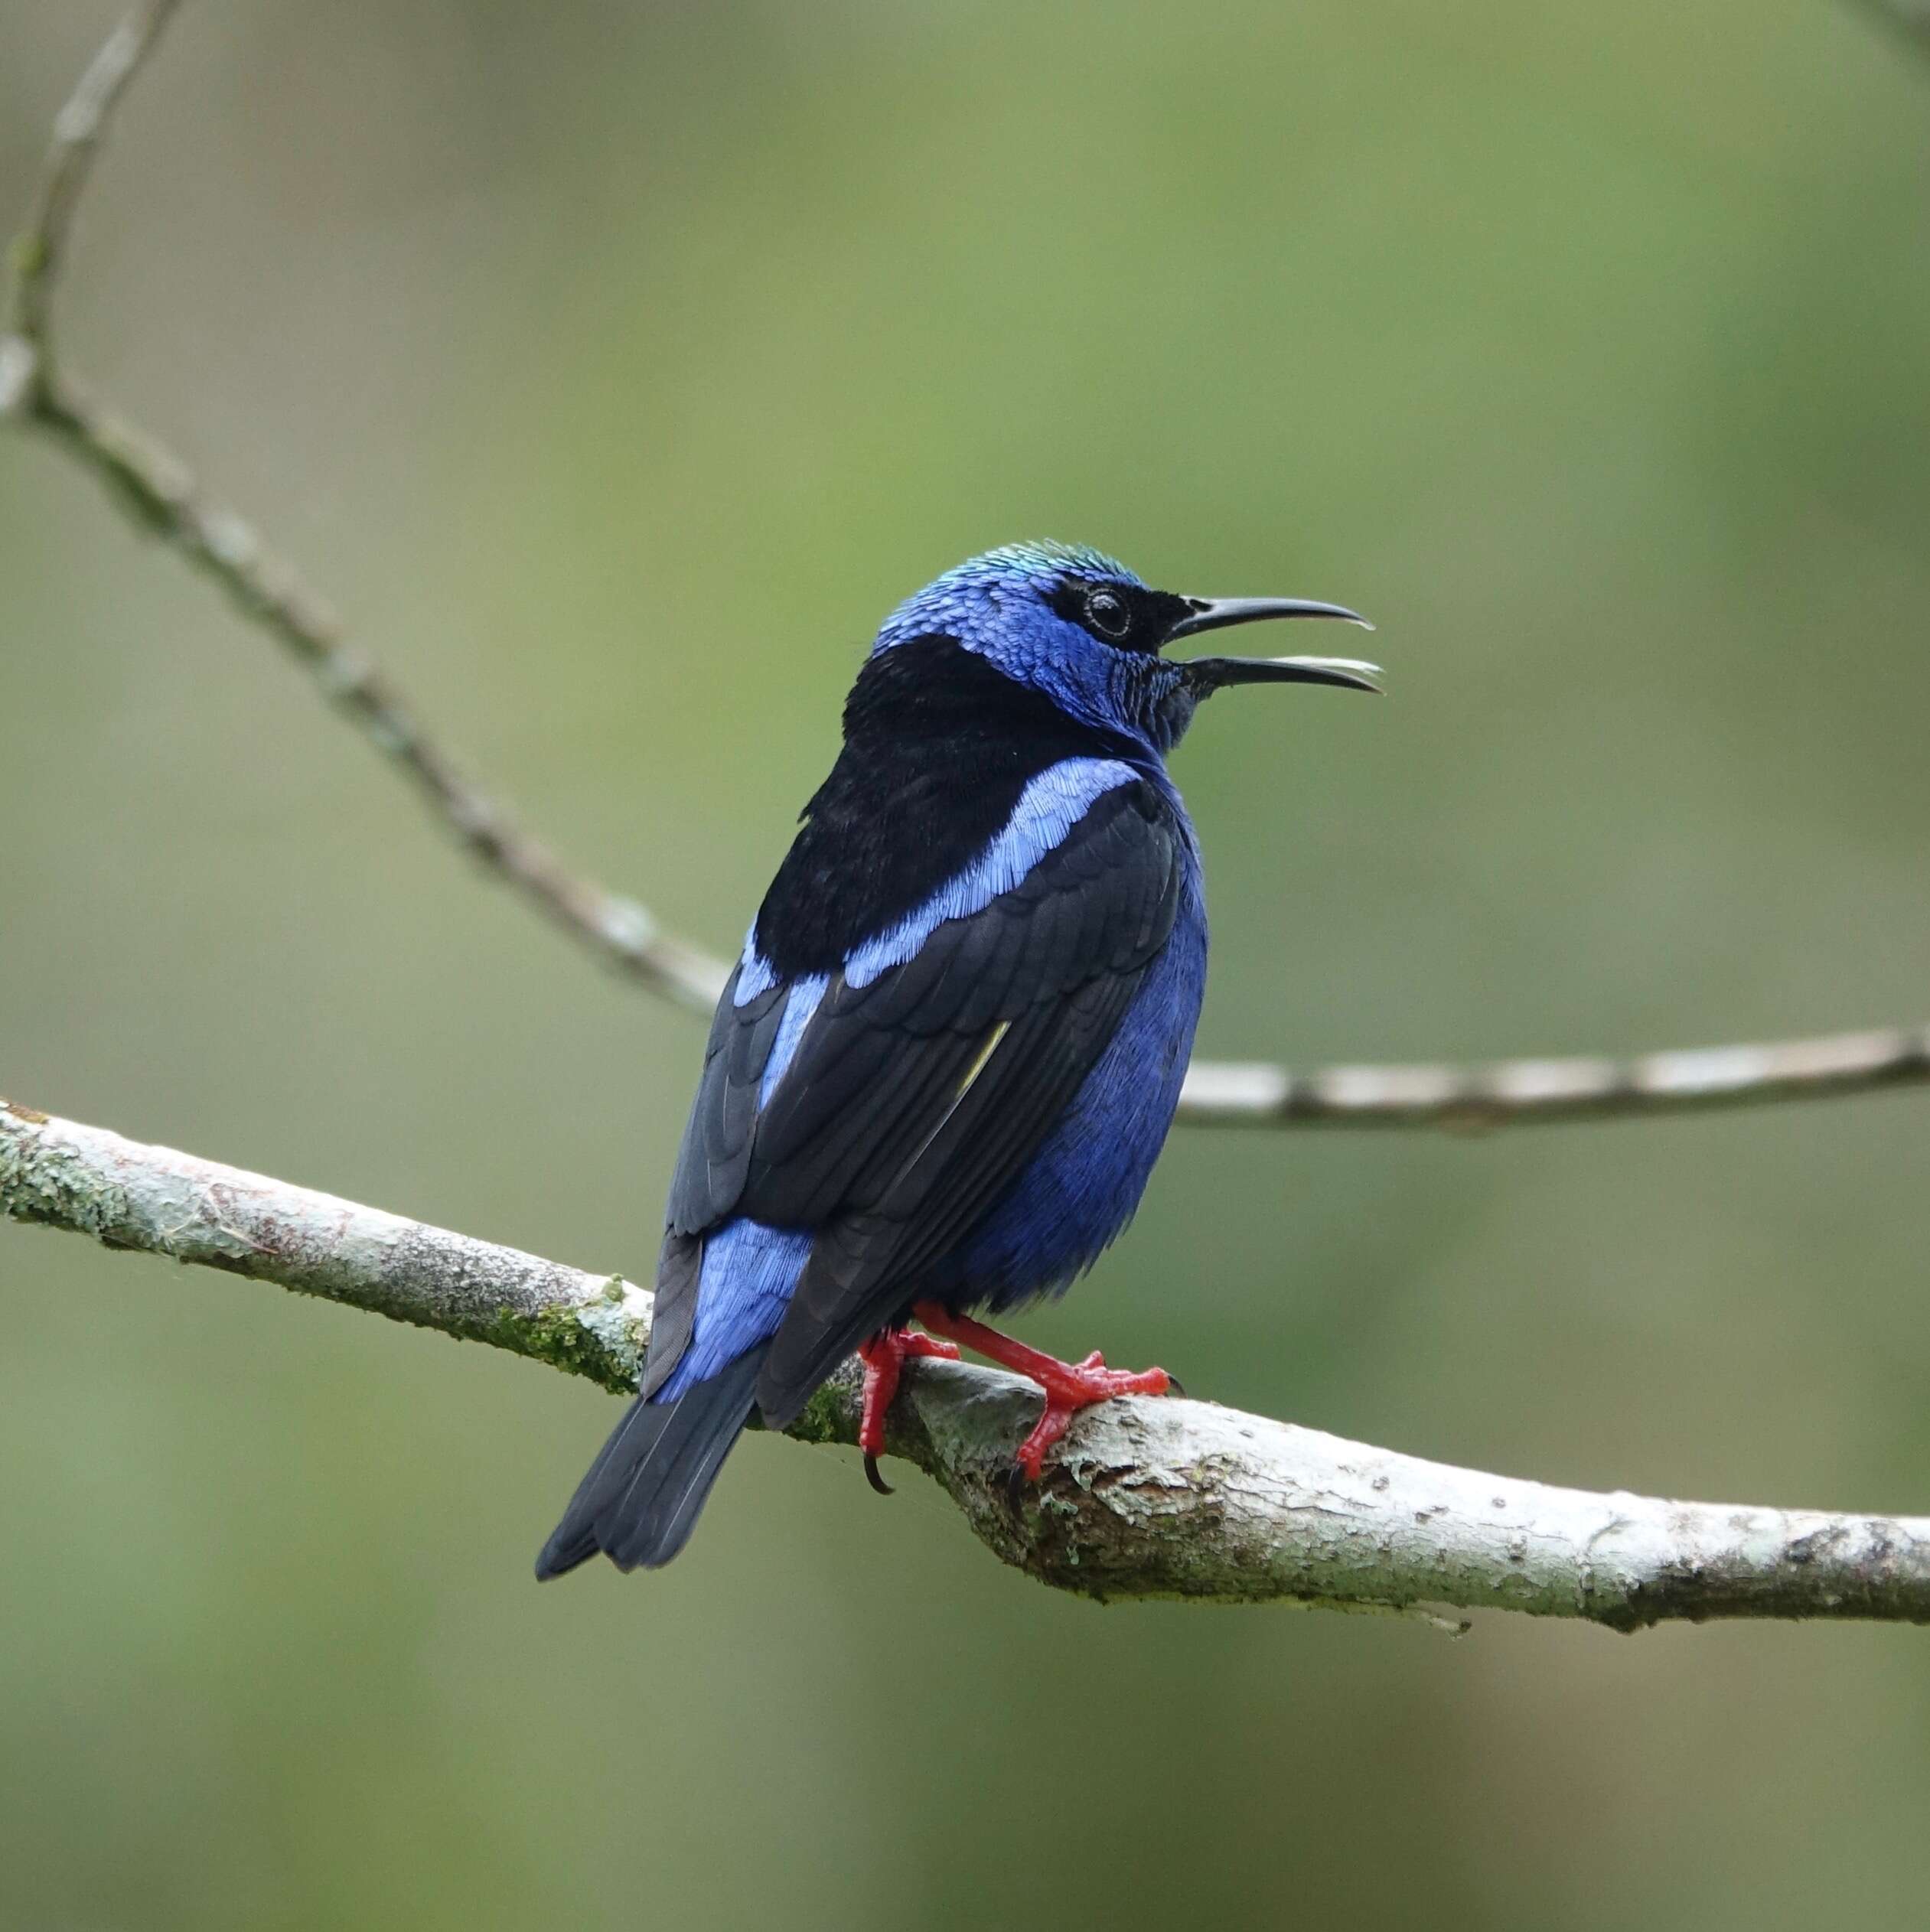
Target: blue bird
{"x":944,"y":1066}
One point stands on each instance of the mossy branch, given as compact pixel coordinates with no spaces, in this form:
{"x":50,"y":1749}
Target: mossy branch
{"x":1144,"y":1498}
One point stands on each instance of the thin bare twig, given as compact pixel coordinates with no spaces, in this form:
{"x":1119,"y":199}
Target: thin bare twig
{"x":164,"y":498}
{"x":78,"y":131}
{"x":1144,"y":1498}
{"x":162,"y":493}
{"x":1523,"y":1093}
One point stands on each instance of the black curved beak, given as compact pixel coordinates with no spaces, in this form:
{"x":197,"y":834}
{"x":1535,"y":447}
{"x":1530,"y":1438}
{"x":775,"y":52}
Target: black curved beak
{"x":1210,"y":674}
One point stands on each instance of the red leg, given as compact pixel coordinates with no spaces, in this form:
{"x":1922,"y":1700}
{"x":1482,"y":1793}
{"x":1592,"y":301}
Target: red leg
{"x":1069,"y":1387}
{"x":884,"y":1357}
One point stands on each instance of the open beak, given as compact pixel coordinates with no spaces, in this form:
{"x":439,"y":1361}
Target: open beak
{"x":1217,"y":613}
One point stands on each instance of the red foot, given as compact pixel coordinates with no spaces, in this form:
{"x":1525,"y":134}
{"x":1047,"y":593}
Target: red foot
{"x":884,"y":1358}
{"x":1069,"y":1387}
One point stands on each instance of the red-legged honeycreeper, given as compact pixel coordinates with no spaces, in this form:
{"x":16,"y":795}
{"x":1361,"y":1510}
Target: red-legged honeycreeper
{"x":947,"y":1061}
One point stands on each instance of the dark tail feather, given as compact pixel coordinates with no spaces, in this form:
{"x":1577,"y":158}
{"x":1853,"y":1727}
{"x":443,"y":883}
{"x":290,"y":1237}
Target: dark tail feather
{"x":643,"y":1494}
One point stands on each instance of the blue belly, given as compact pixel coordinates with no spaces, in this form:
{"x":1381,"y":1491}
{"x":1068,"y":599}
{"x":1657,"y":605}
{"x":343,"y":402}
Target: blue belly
{"x":1081,"y":1187}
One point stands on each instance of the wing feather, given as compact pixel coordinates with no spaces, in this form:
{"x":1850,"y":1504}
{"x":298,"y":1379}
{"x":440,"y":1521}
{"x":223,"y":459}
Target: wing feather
{"x":912,"y":1102}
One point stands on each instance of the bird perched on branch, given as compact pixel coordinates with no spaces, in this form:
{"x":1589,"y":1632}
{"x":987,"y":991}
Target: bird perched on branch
{"x":947,"y":1059}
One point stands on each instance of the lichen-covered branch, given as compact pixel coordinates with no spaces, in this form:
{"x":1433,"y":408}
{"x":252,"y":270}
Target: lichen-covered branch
{"x":1145,"y":1498}
{"x":58,"y":1174}
{"x":162,"y":494}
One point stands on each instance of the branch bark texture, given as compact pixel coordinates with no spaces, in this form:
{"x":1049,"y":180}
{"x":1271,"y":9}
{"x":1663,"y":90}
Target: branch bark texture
{"x":1145,"y":1498}
{"x":162,"y":492}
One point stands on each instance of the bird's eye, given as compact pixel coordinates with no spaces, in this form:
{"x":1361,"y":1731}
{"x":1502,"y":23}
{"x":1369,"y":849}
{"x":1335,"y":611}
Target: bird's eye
{"x":1106,"y":612}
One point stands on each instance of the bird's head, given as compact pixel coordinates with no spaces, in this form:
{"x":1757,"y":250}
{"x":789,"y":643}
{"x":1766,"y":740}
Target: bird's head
{"x":1082,"y":629}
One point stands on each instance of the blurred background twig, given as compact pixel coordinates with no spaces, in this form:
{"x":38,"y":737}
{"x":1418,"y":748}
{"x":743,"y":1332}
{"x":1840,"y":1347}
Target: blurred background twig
{"x":162,"y":492}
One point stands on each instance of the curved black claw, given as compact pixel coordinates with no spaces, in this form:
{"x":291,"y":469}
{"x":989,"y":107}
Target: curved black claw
{"x":1175,"y":1387}
{"x":877,"y":1481}
{"x":1015,"y":1488}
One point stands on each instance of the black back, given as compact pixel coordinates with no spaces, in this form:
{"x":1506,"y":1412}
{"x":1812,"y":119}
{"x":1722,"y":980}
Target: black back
{"x":938,"y":746}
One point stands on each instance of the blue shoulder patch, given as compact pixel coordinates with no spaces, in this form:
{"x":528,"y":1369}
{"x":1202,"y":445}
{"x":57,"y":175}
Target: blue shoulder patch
{"x":1047,"y":809}
{"x":802,"y":1003}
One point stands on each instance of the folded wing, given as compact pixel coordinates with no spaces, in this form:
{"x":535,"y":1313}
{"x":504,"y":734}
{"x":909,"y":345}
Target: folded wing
{"x":909,"y":1103}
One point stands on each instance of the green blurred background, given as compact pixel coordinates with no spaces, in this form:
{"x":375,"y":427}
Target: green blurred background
{"x":616,"y":368}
